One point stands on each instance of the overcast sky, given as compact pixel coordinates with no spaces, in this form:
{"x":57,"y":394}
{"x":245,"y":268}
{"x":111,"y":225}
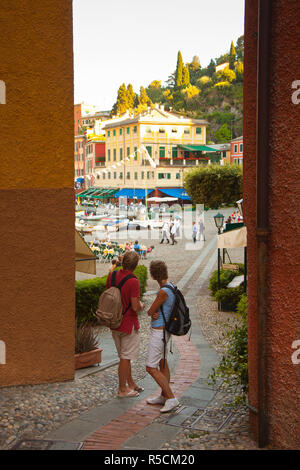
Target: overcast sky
{"x":137,"y":41}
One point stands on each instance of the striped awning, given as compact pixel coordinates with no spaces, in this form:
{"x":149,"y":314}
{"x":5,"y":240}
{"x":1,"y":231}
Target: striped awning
{"x":98,"y":193}
{"x":197,"y":148}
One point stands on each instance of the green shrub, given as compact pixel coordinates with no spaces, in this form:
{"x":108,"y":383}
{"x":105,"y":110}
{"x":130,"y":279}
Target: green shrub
{"x":88,"y":292}
{"x":233,"y":367}
{"x":229,"y":297}
{"x":242,"y":306}
{"x":214,"y":185}
{"x":225,"y":277}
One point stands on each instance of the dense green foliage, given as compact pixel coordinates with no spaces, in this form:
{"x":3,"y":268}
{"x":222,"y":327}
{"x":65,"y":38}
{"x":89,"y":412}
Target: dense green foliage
{"x":198,"y":92}
{"x":226,"y":276}
{"x":229,"y":297}
{"x":88,"y":292}
{"x":213,"y":185}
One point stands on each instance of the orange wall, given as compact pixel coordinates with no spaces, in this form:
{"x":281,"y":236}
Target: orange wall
{"x":36,"y":192}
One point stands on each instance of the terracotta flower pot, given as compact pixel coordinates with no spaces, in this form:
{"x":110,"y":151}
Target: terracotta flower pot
{"x":88,"y":359}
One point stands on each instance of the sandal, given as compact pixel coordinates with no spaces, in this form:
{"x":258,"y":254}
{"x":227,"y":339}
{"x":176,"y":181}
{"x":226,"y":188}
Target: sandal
{"x":131,"y":394}
{"x":139,"y":389}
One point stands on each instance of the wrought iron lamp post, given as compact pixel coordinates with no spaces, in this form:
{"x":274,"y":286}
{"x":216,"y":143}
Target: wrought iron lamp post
{"x":219,"y":221}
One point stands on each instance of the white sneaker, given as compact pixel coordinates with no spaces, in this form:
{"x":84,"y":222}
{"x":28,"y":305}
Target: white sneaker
{"x":157,"y":400}
{"x":169,"y":405}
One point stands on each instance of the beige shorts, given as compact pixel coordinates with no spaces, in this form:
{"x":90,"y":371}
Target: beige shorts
{"x":156,"y":347}
{"x":127,"y":345}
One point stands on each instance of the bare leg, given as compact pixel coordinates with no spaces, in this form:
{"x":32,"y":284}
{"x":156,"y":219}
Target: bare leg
{"x":131,"y":383}
{"x":162,"y":380}
{"x":124,"y":371}
{"x":165,"y":371}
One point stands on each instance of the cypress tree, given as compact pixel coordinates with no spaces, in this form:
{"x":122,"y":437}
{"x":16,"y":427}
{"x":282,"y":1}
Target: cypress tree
{"x":179,"y":71}
{"x":232,"y":56}
{"x":186,"y":76}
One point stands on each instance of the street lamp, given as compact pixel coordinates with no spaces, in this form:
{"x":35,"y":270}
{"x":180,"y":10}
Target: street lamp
{"x":219,"y":220}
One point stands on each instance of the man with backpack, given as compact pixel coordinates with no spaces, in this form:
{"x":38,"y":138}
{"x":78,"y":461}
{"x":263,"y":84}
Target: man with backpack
{"x":169,"y":314}
{"x":118,"y":309}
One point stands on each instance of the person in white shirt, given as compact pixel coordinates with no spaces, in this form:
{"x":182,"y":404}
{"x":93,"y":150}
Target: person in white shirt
{"x":177,"y":226}
{"x":173,"y":233}
{"x":195,"y":230}
{"x":165,"y":232}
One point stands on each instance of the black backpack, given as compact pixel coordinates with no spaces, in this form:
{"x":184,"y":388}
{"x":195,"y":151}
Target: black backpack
{"x":179,"y":321}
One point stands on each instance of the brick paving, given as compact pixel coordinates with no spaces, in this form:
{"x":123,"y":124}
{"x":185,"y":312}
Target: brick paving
{"x":108,"y":437}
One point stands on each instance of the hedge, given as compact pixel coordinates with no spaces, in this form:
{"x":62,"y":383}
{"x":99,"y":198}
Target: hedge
{"x":226,"y":277}
{"x":88,"y":292}
{"x":229,"y":297}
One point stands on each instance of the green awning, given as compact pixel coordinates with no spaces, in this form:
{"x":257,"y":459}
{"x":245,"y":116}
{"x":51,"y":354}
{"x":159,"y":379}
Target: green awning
{"x":197,"y":148}
{"x":97,"y":193}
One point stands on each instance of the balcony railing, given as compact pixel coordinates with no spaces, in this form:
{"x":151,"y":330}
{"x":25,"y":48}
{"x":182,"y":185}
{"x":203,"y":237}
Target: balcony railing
{"x":164,"y":162}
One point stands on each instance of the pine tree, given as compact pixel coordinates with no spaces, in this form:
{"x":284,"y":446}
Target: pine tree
{"x":186,"y":76}
{"x":144,"y":98}
{"x":155,"y":92}
{"x":130,"y":96}
{"x":232,"y":56}
{"x":179,"y":71}
{"x":143,"y":101}
{"x":121,"y":104}
{"x":211,"y":68}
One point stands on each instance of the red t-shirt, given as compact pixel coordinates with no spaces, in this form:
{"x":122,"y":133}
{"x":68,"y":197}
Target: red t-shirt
{"x":131,"y":288}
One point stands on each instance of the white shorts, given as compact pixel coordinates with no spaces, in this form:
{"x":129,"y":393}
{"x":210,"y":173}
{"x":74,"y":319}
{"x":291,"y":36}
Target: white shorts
{"x":156,"y":347}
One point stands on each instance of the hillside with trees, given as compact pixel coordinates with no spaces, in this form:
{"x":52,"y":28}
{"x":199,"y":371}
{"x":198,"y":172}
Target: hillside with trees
{"x":198,"y":92}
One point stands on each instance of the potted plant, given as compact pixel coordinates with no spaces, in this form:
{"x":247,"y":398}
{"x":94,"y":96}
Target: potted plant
{"x":87,"y":351}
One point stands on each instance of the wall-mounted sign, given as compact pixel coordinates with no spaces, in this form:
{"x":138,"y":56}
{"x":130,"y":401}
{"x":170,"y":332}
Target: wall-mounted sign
{"x":2,"y":92}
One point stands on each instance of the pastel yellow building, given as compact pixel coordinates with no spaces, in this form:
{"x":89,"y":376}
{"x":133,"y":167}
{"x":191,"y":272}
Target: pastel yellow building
{"x":173,"y":142}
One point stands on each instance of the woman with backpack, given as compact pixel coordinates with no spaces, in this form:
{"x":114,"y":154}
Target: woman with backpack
{"x":156,"y":364}
{"x":126,"y":336}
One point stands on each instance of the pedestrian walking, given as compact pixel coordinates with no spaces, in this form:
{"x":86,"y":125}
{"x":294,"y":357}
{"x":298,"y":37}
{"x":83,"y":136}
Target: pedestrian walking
{"x":127,"y":336}
{"x":177,"y":226}
{"x":165,"y":232}
{"x":201,"y":233}
{"x":194,"y":232}
{"x":173,"y":233}
{"x":156,"y":363}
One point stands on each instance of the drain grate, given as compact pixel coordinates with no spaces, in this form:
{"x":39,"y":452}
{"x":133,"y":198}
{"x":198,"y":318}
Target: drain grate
{"x":200,"y":419}
{"x":37,"y":444}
